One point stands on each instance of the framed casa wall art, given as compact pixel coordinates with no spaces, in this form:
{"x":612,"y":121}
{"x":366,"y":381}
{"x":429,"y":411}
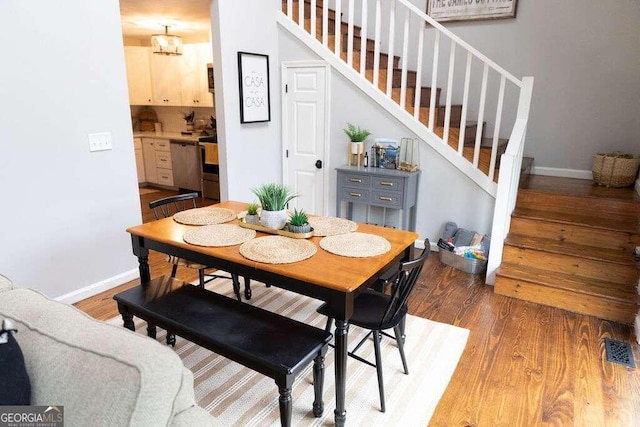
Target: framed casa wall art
{"x":465,"y":10}
{"x":255,"y":97}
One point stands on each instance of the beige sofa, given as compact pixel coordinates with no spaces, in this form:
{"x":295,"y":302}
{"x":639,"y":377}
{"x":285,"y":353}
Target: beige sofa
{"x":103,"y":375}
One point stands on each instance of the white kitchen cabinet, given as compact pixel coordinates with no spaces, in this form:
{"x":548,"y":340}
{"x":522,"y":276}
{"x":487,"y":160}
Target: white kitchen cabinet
{"x":166,"y":79}
{"x":195,"y":85}
{"x":137,"y":147}
{"x":138,"y":75}
{"x":149,"y":155}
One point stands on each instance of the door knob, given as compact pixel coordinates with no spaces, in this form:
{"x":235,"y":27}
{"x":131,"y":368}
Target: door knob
{"x":319,"y":164}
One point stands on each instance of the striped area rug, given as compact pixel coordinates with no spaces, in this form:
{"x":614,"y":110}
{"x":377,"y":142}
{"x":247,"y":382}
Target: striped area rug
{"x":237,"y":396}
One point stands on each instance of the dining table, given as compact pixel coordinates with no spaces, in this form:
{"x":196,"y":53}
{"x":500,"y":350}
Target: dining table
{"x":334,"y":279}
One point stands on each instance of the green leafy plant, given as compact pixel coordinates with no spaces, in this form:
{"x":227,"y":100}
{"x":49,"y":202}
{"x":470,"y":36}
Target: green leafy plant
{"x":274,"y":197}
{"x":188,"y":117}
{"x":252,"y":208}
{"x":355,"y":133}
{"x":298,"y":218}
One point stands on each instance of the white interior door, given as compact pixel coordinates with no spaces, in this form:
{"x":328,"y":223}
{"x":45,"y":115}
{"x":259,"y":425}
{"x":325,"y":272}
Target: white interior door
{"x":305,"y":132}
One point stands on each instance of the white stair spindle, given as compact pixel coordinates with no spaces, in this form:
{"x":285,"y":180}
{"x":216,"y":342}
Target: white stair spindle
{"x":496,"y":128}
{"x":417,"y":92}
{"x":363,"y":38}
{"x":447,"y":111}
{"x":392,"y":32}
{"x":301,"y":13}
{"x":465,"y":101}
{"x":313,"y":14}
{"x":405,"y":54}
{"x":376,"y":49}
{"x":338,"y":28}
{"x":325,"y":23}
{"x":350,"y":35}
{"x":483,"y":98}
{"x":434,"y":81}
{"x":290,"y":8}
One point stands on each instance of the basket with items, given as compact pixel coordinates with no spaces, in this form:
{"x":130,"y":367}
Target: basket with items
{"x":464,"y":249}
{"x":615,"y":169}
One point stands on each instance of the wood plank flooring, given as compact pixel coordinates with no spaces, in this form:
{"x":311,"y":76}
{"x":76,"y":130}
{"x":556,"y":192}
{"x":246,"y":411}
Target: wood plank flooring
{"x":524,"y":365}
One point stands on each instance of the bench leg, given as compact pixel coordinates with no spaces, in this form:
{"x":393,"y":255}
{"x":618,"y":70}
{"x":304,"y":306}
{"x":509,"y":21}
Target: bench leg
{"x":171,"y":339}
{"x":151,"y":330}
{"x":236,"y":285}
{"x":285,"y":405}
{"x":127,"y":318}
{"x":318,"y":383}
{"x":247,"y":288}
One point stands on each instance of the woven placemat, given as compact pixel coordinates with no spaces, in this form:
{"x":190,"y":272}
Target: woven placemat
{"x":219,"y":235}
{"x":204,"y":216}
{"x":277,"y":250}
{"x":357,"y":245}
{"x":331,"y":226}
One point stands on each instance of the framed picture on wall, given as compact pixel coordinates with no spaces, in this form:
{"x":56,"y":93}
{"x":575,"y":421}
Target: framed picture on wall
{"x":253,"y":78}
{"x":465,"y":10}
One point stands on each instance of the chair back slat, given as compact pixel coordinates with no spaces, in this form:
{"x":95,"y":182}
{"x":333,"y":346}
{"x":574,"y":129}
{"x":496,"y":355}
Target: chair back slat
{"x":162,"y":207}
{"x":403,"y":282}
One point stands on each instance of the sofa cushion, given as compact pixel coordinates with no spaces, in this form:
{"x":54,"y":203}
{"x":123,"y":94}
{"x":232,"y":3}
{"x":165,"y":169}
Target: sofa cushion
{"x":15,"y":388}
{"x":95,"y":370}
{"x":5,"y":283}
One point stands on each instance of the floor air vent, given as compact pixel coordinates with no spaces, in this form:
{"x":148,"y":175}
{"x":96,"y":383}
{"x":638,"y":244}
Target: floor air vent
{"x":619,"y":352}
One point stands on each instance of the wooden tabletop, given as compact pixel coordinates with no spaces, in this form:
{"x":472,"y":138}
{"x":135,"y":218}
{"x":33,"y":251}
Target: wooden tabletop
{"x":324,"y":269}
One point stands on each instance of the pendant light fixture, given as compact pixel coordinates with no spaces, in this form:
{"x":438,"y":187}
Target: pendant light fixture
{"x":166,"y":44}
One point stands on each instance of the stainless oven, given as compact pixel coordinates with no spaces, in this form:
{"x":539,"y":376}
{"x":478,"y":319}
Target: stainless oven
{"x":210,"y":172}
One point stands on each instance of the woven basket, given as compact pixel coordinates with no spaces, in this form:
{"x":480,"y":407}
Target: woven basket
{"x":615,"y":169}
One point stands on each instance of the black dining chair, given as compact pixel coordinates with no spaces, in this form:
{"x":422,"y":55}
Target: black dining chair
{"x":384,"y":309}
{"x":166,"y":207}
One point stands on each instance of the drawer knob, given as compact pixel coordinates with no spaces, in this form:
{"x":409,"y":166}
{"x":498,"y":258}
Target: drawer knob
{"x":355,"y":194}
{"x":386,"y":183}
{"x":386,"y":199}
{"x":355,"y":180}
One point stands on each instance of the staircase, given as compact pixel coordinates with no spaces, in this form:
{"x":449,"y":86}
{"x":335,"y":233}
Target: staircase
{"x":571,"y":245}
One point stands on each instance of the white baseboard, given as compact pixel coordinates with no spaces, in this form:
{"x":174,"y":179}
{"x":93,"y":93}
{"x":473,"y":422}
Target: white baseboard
{"x":96,"y":288}
{"x":565,"y":173}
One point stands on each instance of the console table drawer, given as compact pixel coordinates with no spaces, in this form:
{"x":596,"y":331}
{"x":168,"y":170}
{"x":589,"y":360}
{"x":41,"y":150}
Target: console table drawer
{"x":355,"y":194}
{"x":356,"y":180}
{"x":386,"y":199}
{"x":386,"y":184}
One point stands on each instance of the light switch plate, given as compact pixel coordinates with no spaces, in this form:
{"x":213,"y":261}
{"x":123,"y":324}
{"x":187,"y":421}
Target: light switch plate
{"x":100,"y":141}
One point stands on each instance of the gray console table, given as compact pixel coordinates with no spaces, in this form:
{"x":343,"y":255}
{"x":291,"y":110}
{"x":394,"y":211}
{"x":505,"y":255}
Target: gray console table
{"x":387,"y":188}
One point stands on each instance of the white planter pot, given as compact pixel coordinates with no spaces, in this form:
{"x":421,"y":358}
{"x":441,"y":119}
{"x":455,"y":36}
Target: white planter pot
{"x":273,"y":219}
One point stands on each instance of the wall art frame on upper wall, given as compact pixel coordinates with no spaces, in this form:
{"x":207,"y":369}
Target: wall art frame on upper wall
{"x":255,"y":94}
{"x":469,"y":10}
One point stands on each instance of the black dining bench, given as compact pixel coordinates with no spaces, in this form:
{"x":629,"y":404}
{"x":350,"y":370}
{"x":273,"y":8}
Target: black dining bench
{"x":263,"y":341}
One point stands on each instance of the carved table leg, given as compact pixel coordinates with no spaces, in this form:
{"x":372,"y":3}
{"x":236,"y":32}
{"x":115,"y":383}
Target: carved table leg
{"x":341,"y":371}
{"x":143,"y":268}
{"x":285,"y":406}
{"x":127,"y":319}
{"x":318,"y":384}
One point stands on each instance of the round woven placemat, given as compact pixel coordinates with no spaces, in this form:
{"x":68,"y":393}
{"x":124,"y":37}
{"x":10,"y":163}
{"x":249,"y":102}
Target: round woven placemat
{"x":219,"y":235}
{"x":204,"y":216}
{"x":357,"y":245}
{"x":277,"y":250}
{"x":331,"y":226}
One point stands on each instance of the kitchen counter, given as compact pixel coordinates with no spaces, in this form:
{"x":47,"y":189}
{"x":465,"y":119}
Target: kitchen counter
{"x":176,"y":136}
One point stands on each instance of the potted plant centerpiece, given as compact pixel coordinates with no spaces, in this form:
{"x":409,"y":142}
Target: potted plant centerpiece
{"x":273,"y":198}
{"x":299,"y":222}
{"x":252,"y":213}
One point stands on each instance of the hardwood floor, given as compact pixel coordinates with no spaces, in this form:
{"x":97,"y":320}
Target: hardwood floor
{"x":524,"y":364}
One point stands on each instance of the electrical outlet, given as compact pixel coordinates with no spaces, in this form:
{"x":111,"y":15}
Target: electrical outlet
{"x":100,"y":141}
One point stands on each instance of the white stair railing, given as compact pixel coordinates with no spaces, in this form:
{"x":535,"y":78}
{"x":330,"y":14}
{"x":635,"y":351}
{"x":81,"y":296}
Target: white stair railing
{"x":424,"y":41}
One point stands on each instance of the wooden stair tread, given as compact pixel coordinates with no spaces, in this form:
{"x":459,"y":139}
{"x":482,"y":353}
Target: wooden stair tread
{"x":571,"y":249}
{"x":629,"y":225}
{"x":581,"y":188}
{"x":570,"y":282}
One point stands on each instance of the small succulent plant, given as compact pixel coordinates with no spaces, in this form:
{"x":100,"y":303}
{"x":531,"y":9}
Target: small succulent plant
{"x":252,"y":208}
{"x":298,"y":218}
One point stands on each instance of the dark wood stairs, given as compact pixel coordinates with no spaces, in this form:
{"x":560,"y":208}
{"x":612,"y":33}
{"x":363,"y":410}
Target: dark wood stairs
{"x":471,"y":126}
{"x":571,"y":245}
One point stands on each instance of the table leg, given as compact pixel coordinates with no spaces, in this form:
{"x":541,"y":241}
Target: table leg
{"x":341,"y":334}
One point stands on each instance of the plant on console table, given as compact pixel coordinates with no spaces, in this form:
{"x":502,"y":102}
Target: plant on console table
{"x":252,"y":214}
{"x":299,"y":222}
{"x":274,"y":198}
{"x":356,"y":147}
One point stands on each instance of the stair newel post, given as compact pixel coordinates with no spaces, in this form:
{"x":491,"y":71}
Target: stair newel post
{"x":465,"y":102}
{"x":390,"y":51}
{"x":338,"y":27}
{"x":447,"y":110}
{"x":496,"y":129}
{"x":434,"y":80}
{"x":405,"y":54}
{"x":350,"y":35}
{"x":363,"y":38}
{"x":376,"y":49}
{"x":417,"y":92}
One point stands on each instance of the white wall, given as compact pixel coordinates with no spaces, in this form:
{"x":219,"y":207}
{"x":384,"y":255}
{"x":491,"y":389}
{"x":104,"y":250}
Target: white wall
{"x":65,"y":210}
{"x":445,"y":194}
{"x":252,"y":152}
